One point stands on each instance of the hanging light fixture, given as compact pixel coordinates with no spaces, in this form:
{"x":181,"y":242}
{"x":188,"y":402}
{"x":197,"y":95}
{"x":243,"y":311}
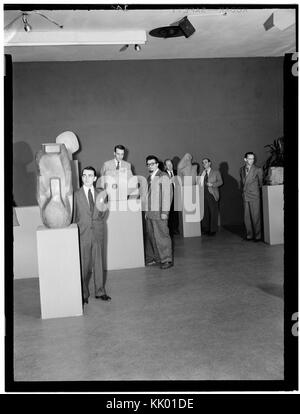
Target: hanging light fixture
{"x":27,"y":26}
{"x":137,"y":48}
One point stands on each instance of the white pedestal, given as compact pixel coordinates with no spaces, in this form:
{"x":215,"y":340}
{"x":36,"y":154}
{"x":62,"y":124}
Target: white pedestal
{"x":25,"y":253}
{"x":125,"y":243}
{"x":192,"y":210}
{"x":273,"y":213}
{"x":59,"y":272}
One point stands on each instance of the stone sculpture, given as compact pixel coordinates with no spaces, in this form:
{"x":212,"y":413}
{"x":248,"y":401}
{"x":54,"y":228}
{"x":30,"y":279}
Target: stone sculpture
{"x":185,"y":168}
{"x":54,"y":181}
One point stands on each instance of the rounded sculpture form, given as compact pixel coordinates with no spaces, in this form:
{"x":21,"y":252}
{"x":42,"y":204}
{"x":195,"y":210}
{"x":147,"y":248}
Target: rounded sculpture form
{"x":54,"y":185}
{"x":70,"y":140}
{"x":185,"y":168}
{"x":101,"y":201}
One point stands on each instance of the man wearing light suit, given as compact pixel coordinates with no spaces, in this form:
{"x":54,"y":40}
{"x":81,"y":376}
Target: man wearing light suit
{"x":112,"y":167}
{"x":212,"y":182}
{"x":90,"y":222}
{"x":158,"y":202}
{"x":251,"y":183}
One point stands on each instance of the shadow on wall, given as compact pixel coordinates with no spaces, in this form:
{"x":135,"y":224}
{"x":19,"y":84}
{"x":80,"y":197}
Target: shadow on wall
{"x":24,"y":181}
{"x":231,"y":204}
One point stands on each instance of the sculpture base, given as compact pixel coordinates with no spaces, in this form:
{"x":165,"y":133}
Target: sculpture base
{"x":192,"y":211}
{"x":125,"y":244}
{"x":272,"y":196}
{"x":59,"y":272}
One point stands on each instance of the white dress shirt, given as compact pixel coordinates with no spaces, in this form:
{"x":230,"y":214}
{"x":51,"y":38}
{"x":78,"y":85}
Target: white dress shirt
{"x":86,"y":191}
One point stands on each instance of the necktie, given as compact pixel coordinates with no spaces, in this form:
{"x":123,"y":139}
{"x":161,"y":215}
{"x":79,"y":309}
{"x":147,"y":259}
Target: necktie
{"x":149,"y":182}
{"x":206,"y":177}
{"x":247,"y":170}
{"x":118,"y":165}
{"x":91,"y":200}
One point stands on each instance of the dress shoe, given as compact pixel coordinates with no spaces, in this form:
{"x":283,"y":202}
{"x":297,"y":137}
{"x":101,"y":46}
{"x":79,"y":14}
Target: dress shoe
{"x":257,"y":240}
{"x":166,"y":265}
{"x":246,"y":239}
{"x":103,"y":297}
{"x":152,"y":263}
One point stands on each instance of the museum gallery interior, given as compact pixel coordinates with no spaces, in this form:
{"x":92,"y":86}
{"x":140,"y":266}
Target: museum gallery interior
{"x":161,"y":82}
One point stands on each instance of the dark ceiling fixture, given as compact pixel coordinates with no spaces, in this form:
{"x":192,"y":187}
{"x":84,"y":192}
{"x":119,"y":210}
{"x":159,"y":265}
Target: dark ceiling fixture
{"x":123,"y":48}
{"x":181,"y":28}
{"x":281,"y":19}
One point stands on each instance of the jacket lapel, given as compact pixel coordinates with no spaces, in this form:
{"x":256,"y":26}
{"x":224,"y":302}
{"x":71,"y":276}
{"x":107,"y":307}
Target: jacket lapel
{"x":250,"y":173}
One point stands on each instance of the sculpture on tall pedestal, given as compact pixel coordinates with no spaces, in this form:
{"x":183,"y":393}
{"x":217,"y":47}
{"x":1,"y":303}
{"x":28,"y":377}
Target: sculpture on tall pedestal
{"x":54,"y":181}
{"x":185,"y":168}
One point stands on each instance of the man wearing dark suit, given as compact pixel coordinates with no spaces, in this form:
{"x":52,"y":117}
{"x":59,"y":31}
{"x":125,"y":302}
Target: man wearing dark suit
{"x":90,"y":222}
{"x":212,"y":181}
{"x":158,"y":201}
{"x":173,"y":221}
{"x":251,"y":183}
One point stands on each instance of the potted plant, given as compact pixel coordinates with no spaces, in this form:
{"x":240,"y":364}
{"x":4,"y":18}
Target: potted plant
{"x":273,"y":167}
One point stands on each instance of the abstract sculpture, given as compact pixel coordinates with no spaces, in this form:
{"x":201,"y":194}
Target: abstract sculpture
{"x":185,"y":168}
{"x":54,"y":181}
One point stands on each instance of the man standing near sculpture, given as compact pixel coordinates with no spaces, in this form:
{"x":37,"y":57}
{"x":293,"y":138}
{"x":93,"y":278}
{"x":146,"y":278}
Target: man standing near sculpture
{"x":113,"y":166}
{"x":212,"y":182}
{"x":251,"y":183}
{"x":90,"y":222}
{"x":158,"y":201}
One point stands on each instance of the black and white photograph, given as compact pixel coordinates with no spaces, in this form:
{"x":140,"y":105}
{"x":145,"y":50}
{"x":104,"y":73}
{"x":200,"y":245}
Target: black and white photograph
{"x":151,"y":197}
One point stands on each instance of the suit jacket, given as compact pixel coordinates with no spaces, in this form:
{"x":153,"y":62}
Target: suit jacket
{"x":215,"y":178}
{"x":110,"y":168}
{"x":91,"y":224}
{"x":251,"y":183}
{"x":159,"y":196}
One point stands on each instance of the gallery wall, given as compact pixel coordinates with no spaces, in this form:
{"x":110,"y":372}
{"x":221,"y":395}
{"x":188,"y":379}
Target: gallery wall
{"x":216,"y":108}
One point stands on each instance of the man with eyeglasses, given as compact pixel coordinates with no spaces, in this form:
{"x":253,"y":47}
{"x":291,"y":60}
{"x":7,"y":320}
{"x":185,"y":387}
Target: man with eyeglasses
{"x":251,"y":183}
{"x":159,"y":198}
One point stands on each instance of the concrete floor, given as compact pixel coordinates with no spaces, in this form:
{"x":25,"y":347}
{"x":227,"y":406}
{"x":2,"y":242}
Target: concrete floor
{"x":216,"y":315}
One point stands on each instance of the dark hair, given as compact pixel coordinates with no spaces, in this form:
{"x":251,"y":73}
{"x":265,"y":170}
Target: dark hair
{"x":90,"y":169}
{"x":205,"y":158}
{"x":249,"y":153}
{"x":152,"y":157}
{"x":121,"y":147}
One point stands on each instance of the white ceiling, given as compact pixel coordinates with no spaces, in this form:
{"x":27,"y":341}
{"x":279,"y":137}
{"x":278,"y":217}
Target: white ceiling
{"x":239,"y":33}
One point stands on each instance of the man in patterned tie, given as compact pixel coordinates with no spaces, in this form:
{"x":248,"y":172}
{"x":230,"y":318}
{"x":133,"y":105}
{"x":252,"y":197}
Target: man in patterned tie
{"x":90,"y":222}
{"x":251,"y":183}
{"x":158,"y":244}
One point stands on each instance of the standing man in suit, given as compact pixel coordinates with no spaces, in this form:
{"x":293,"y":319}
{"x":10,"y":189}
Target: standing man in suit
{"x":90,"y":222}
{"x":251,"y":183}
{"x":113,"y":166}
{"x":212,"y":182}
{"x":173,"y":221}
{"x":158,"y":201}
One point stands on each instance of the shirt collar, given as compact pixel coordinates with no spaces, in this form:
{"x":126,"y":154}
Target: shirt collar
{"x":154,"y":173}
{"x":86,"y":190}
